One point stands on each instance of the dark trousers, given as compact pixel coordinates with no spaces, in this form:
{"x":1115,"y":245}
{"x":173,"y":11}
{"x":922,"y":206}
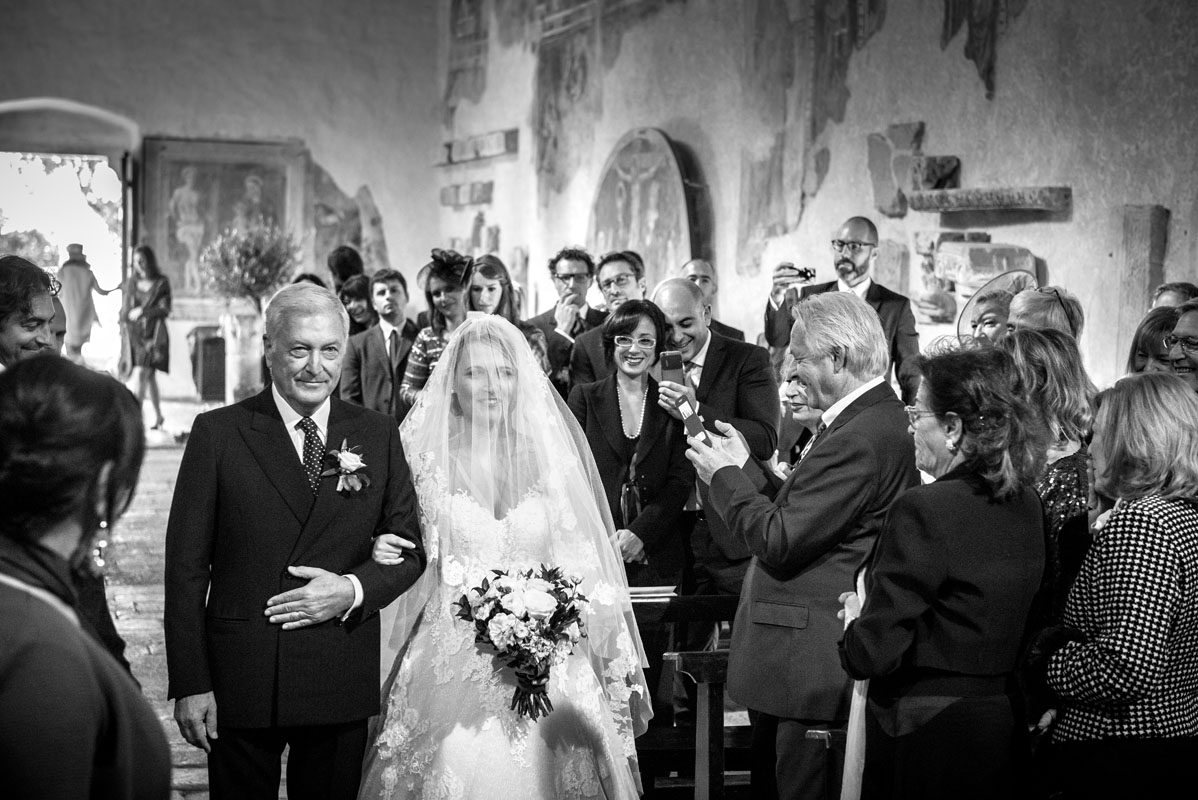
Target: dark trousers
{"x":803,"y":767}
{"x":1122,"y":768}
{"x":324,"y":761}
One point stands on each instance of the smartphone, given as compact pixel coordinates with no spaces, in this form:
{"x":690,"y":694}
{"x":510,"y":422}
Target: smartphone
{"x":690,"y":419}
{"x":671,"y":367}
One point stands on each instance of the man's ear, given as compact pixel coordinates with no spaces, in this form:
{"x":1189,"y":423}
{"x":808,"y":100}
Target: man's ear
{"x":838,"y":359}
{"x":707,"y":316}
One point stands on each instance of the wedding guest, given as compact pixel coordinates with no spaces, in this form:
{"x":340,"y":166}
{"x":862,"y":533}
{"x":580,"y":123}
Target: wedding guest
{"x":1148,"y":351}
{"x":445,"y":293}
{"x":1174,"y":294}
{"x":641,"y":455}
{"x":1125,"y":662}
{"x":990,"y":315}
{"x":75,"y":724}
{"x":573,"y":272}
{"x":1183,"y":344}
{"x":376,"y":358}
{"x":1047,"y":307}
{"x":147,"y":304}
{"x":492,"y":292}
{"x":78,"y":283}
{"x":1053,"y":380}
{"x":948,"y":590}
{"x":621,"y":278}
{"x":344,"y":262}
{"x":355,"y":296}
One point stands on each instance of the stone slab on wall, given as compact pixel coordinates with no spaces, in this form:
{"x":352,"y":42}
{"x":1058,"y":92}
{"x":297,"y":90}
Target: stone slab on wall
{"x":1141,"y":263}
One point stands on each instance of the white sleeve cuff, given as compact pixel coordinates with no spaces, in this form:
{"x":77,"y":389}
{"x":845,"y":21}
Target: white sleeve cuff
{"x":359,"y":595}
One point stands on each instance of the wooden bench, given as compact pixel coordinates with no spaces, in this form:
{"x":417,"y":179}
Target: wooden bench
{"x":709,"y":749}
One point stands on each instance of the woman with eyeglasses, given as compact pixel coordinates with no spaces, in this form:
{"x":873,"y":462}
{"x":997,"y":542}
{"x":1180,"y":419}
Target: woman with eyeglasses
{"x":949,"y":587}
{"x":1183,"y":344}
{"x":445,"y":291}
{"x":640,"y":451}
{"x":1047,"y":307}
{"x":492,"y":292}
{"x":1124,"y":663}
{"x":1149,"y":349}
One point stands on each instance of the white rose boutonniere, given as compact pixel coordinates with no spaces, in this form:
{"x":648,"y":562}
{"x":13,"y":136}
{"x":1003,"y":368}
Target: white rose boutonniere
{"x":348,"y":466}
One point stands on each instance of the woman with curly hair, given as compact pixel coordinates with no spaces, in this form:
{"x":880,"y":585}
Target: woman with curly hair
{"x":445,"y":293}
{"x":492,"y":292}
{"x":948,"y":591}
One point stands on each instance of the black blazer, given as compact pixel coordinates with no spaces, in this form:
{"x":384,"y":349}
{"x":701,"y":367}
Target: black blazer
{"x":366,"y":377}
{"x":898,"y":323}
{"x":727,"y":331}
{"x":560,"y":347}
{"x":664,"y":474}
{"x":808,"y":535}
{"x":242,"y":513}
{"x":588,"y":363}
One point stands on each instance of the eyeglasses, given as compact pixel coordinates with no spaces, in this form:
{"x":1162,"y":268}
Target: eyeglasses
{"x":842,"y":246}
{"x":1052,"y":290}
{"x":914,"y":413}
{"x":571,"y":277}
{"x":1187,"y":343}
{"x":622,"y":280}
{"x":644,"y":343}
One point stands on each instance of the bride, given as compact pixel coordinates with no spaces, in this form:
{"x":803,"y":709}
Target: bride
{"x":505,"y":481}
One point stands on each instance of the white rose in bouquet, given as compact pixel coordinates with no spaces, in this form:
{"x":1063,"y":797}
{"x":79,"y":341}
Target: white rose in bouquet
{"x":540,"y":605}
{"x":514,"y":602}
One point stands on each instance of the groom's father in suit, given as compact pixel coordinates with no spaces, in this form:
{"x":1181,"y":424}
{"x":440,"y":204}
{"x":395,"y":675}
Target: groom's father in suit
{"x":271,"y":594}
{"x":808,"y":535}
{"x":377,"y":357}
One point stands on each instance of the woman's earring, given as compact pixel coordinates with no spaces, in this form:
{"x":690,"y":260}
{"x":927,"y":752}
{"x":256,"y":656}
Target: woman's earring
{"x":100,"y":544}
{"x":951,"y":445}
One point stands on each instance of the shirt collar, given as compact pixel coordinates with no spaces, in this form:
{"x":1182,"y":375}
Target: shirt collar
{"x":386,"y":327}
{"x":701,"y":356}
{"x":291,"y":417}
{"x":859,"y":290}
{"x":829,"y":416}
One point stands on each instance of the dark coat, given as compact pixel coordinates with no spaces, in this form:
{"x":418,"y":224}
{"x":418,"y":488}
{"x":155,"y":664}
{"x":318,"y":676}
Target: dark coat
{"x":664,"y":475}
{"x":242,"y":513}
{"x":808,"y":536}
{"x":727,"y":331}
{"x":588,"y":362}
{"x":366,"y":376}
{"x":898,"y":323}
{"x":559,"y":346}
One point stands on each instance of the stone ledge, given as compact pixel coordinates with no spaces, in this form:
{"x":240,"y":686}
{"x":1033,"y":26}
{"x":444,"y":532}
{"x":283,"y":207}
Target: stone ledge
{"x":1028,"y":198}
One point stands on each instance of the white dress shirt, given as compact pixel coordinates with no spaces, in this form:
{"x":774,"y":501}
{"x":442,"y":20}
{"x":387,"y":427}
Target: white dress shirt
{"x":859,"y":290}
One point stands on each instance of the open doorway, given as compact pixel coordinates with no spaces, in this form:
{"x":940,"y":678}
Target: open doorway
{"x":50,"y":202}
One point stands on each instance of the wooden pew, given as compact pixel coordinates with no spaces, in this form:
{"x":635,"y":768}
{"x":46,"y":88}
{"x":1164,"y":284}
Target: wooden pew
{"x":709,"y":747}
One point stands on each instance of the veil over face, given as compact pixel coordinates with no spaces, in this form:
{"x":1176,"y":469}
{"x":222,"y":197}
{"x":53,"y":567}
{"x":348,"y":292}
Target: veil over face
{"x":489,"y":428}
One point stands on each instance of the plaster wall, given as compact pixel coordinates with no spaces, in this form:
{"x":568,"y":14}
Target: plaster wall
{"x":1100,"y":97}
{"x":355,"y":82}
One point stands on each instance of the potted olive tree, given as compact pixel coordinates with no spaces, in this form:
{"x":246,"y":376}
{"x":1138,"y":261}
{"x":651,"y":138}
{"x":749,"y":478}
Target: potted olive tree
{"x":246,"y":268}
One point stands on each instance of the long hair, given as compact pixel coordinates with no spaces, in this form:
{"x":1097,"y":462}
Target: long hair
{"x":1053,"y":380}
{"x":153,"y":271}
{"x":60,"y":423}
{"x":1049,"y":307}
{"x":1005,"y":441}
{"x":451,"y":268}
{"x":493,"y":269}
{"x":1146,"y":438}
{"x":1149,"y":337}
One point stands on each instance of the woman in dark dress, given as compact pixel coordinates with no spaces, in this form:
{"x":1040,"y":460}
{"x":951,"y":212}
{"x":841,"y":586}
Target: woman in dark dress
{"x":641,"y":455}
{"x":949,"y":588}
{"x":74,"y":722}
{"x":147,"y":304}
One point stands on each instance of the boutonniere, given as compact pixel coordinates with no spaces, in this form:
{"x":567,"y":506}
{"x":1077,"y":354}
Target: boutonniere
{"x":348,"y":466}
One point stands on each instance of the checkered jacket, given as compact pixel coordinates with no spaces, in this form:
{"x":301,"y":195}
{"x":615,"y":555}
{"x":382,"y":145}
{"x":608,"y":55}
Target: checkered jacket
{"x":1136,"y":601}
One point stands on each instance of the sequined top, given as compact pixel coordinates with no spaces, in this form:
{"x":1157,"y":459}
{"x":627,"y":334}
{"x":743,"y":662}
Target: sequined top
{"x":1064,"y":488}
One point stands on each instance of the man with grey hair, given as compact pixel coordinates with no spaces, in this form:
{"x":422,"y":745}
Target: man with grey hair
{"x":271,"y":592}
{"x":808,"y":535}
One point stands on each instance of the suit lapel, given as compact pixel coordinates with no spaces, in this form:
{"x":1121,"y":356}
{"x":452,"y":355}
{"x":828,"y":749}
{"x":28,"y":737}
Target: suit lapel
{"x":874,"y":395}
{"x":271,"y":446}
{"x":607,"y":402}
{"x":711,"y":367}
{"x":873,"y":295}
{"x":378,"y":351}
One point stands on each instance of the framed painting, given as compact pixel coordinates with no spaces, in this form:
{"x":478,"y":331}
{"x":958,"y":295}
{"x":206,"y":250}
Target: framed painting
{"x":195,"y":189}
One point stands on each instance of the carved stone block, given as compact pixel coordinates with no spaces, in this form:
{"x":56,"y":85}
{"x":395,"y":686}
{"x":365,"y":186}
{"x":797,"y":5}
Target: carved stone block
{"x":935,"y":172}
{"x":970,"y":264}
{"x":1029,"y":198}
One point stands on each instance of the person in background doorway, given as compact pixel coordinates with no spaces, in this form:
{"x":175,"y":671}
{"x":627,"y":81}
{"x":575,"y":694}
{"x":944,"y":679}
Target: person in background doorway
{"x":147,"y":304}
{"x":78,"y":283}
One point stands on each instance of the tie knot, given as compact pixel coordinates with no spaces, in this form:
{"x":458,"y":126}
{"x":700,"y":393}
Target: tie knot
{"x":308,"y":426}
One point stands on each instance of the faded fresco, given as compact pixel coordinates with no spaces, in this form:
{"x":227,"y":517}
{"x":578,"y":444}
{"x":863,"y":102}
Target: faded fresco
{"x":641,"y":204}
{"x":987,"y":21}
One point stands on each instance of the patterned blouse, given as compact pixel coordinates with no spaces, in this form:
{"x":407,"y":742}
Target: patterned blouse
{"x":1136,"y":602}
{"x":425,"y":352}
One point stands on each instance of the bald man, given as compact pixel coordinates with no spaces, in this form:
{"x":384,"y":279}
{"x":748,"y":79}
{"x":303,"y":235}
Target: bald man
{"x":702,"y":274}
{"x":854,"y":252}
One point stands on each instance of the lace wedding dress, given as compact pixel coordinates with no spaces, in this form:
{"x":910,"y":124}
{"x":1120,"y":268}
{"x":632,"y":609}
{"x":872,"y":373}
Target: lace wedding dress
{"x":447,"y":730}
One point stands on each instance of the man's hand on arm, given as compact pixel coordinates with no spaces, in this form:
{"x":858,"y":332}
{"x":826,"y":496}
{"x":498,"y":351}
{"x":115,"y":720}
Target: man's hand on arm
{"x":196,"y":717}
{"x":326,"y":595}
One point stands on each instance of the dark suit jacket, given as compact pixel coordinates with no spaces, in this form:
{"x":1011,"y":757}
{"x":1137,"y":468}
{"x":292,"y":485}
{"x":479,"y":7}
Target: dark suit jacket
{"x":560,"y":346}
{"x":366,"y":377}
{"x":949,"y":585}
{"x":898,"y":323}
{"x":727,"y":331}
{"x":808,"y":536}
{"x":737,"y":386}
{"x":587,"y":361}
{"x":664,"y":474}
{"x":242,"y":513}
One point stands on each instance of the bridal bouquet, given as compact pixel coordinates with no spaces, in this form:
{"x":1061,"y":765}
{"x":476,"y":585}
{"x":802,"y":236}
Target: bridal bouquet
{"x":532,"y":620}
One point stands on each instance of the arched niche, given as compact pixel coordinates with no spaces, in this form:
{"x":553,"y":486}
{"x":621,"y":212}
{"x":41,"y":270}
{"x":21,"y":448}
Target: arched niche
{"x":58,"y":125}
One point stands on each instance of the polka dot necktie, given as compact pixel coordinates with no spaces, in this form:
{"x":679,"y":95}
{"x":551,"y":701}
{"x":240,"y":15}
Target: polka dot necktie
{"x":313,"y":451}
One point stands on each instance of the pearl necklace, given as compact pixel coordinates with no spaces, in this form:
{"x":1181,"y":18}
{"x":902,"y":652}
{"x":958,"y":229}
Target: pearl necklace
{"x":623,"y":427}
